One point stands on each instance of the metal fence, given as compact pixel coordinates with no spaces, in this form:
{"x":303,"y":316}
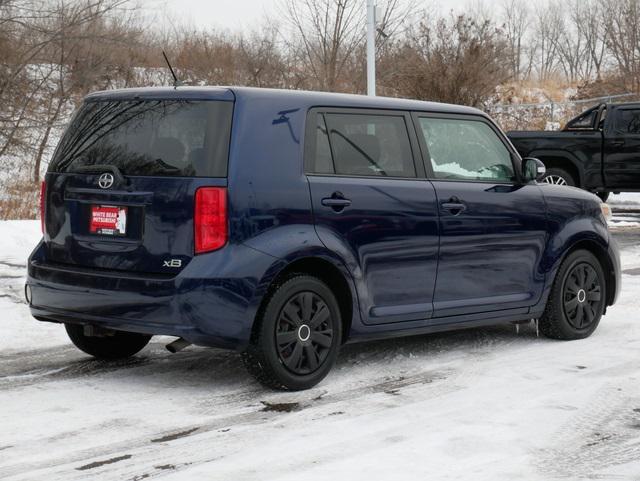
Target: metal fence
{"x":549,"y":115}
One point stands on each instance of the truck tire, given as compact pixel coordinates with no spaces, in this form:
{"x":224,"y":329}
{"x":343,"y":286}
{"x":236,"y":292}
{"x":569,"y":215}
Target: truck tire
{"x":297,"y":336}
{"x":119,"y":345}
{"x":557,"y":176}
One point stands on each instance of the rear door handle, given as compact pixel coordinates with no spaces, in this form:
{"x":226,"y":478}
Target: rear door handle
{"x":329,"y":202}
{"x":337,"y":202}
{"x":617,"y":143}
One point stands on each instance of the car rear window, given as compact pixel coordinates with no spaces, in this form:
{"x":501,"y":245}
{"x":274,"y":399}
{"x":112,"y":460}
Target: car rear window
{"x":148,"y":138}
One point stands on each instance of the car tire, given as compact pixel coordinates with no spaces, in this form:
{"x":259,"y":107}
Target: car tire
{"x":604,"y":196}
{"x":116,"y":345}
{"x":297,"y":335}
{"x":577,"y":299}
{"x":557,"y":176}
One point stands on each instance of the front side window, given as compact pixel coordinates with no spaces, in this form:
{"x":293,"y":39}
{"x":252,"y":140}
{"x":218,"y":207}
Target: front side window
{"x":365,"y":145}
{"x":462,"y":149}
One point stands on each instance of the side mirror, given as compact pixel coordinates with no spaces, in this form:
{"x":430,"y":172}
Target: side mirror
{"x":533,"y":169}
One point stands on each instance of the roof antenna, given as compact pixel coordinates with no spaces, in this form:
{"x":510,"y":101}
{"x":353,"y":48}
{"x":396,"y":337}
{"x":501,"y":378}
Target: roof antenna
{"x":176,"y":82}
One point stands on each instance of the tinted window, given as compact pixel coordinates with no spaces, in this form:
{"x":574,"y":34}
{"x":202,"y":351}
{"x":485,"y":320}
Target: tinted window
{"x":152,"y":137}
{"x":466,"y":150}
{"x":323,"y":163}
{"x":585,"y":120}
{"x":628,"y":121}
{"x":370,"y":145}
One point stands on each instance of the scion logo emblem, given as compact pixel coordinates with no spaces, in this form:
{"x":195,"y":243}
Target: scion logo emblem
{"x":105,"y":180}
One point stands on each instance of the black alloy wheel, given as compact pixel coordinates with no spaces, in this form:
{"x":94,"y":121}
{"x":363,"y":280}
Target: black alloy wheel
{"x":577,"y":299}
{"x":304,"y":334}
{"x":297,"y":335}
{"x":582,"y":296}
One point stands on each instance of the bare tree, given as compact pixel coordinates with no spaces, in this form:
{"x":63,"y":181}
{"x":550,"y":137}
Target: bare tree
{"x":42,"y":46}
{"x":570,"y":45}
{"x":327,"y":33}
{"x":326,"y":38}
{"x":453,"y":59}
{"x":588,"y":17}
{"x":261,"y":61}
{"x":515,"y":18}
{"x":622,"y":25}
{"x":549,"y":24}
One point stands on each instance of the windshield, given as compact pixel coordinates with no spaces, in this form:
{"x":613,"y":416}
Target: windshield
{"x":148,"y":138}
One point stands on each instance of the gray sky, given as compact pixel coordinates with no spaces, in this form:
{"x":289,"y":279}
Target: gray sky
{"x":243,"y":14}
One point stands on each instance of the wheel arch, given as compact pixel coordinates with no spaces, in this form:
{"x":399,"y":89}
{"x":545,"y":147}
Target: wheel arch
{"x":561,"y":160}
{"x":328,"y":270}
{"x":600,"y":252}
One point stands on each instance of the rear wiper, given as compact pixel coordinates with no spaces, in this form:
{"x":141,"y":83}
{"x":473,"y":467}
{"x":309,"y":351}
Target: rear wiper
{"x":101,"y":168}
{"x":166,"y":167}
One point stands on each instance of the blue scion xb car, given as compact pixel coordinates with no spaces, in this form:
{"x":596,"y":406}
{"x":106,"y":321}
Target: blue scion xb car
{"x":284,"y":224}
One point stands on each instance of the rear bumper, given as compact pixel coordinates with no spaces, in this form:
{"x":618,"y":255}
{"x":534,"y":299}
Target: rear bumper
{"x":207,"y":303}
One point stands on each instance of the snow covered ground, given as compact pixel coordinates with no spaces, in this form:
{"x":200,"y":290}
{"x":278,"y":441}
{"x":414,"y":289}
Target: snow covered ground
{"x":625,"y":200}
{"x":482,"y":404}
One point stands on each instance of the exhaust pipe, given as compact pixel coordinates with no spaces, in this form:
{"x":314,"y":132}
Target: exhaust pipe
{"x":177,"y":345}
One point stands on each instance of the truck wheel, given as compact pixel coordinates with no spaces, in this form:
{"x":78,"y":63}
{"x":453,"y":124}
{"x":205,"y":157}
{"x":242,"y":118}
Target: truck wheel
{"x":297,"y":336}
{"x":118,"y":345}
{"x":603,"y":195}
{"x":557,"y":176}
{"x":577,"y":299}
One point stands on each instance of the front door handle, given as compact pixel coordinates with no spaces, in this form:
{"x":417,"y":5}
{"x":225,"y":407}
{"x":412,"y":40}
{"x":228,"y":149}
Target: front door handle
{"x":337,"y":202}
{"x":617,"y":143}
{"x":454,"y":206}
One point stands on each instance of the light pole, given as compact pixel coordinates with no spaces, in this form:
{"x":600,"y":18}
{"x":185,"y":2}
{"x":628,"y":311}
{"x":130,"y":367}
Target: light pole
{"x":371,"y":47}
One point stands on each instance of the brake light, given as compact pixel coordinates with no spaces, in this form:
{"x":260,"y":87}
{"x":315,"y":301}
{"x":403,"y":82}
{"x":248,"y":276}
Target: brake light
{"x":43,"y":195}
{"x":210,"y":219}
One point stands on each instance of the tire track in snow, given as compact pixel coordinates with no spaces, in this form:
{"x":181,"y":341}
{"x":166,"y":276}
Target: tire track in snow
{"x":151,"y":444}
{"x":604,"y":434}
{"x":463,"y":348}
{"x":447,"y":351}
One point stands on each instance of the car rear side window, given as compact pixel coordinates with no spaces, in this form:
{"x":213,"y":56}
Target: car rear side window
{"x":461,"y":149}
{"x":148,"y":138}
{"x":585,"y":120}
{"x":363,"y":145}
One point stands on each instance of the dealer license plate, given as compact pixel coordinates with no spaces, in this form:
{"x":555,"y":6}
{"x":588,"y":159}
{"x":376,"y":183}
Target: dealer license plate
{"x":108,"y":220}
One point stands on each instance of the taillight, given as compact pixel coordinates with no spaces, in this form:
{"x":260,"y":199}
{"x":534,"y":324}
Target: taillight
{"x":43,"y":195}
{"x":210,"y":219}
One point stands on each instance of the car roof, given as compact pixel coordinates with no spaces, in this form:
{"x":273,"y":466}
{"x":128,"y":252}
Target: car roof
{"x":625,"y":104}
{"x":282,"y":97}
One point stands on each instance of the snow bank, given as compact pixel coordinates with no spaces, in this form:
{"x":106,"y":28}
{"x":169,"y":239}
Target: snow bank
{"x":18,"y":330}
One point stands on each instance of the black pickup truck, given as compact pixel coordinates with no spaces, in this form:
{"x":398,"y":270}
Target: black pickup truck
{"x":599,"y":150}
